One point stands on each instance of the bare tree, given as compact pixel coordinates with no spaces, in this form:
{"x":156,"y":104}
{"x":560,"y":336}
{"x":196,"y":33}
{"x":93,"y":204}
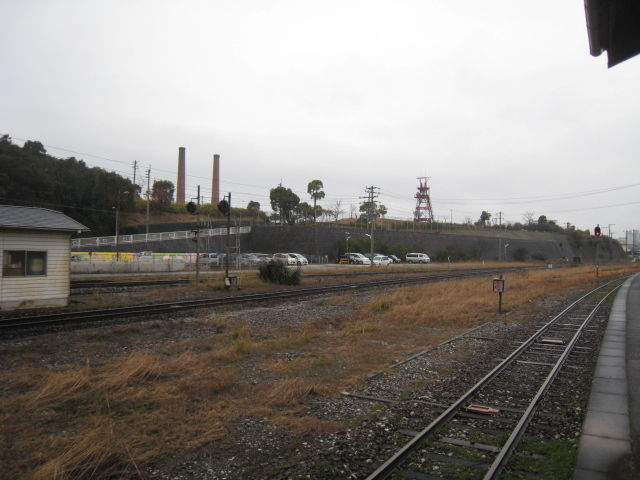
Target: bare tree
{"x":336,"y":210}
{"x":353,"y":211}
{"x":529,"y":218}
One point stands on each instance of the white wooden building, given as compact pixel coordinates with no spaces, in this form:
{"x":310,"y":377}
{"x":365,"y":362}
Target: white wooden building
{"x":35,"y":246}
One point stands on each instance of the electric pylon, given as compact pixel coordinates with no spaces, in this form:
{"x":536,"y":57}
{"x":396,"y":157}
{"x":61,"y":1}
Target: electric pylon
{"x":424,"y":212}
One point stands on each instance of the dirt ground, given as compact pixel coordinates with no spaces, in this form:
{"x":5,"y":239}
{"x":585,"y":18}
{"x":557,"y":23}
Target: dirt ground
{"x":255,"y":392}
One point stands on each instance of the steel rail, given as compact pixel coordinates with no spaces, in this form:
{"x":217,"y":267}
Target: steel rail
{"x":82,"y":284}
{"x":85,"y":284}
{"x":96,"y":314}
{"x":396,"y":459}
{"x":507,"y":449}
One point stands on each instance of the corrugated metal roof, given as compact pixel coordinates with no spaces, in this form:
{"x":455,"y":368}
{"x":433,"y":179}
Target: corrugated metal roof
{"x":13,"y":216}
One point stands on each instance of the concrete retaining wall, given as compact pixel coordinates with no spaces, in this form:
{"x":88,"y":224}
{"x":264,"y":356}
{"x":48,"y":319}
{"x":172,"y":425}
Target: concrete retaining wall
{"x":330,"y":240}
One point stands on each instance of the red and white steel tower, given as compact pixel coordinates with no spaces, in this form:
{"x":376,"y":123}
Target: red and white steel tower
{"x":424,"y":212}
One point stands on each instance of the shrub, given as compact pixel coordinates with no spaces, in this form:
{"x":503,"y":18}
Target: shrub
{"x":456,"y":254}
{"x":277,"y":272}
{"x":398,"y":250}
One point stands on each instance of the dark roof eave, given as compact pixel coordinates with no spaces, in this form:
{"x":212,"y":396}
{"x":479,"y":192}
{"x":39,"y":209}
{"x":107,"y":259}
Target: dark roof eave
{"x":71,"y":230}
{"x":591,"y":10}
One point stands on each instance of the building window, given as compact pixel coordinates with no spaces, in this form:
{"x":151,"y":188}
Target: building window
{"x":20,"y":263}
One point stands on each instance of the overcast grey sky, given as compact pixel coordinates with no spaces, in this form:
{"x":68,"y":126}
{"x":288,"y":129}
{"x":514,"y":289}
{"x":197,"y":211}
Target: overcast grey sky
{"x":498,"y":102}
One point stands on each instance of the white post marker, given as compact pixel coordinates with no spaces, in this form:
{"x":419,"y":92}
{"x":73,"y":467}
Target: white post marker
{"x":499,"y":287}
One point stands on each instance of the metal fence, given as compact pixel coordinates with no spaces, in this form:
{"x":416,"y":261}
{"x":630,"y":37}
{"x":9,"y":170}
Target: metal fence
{"x":154,"y":237}
{"x":127,"y":262}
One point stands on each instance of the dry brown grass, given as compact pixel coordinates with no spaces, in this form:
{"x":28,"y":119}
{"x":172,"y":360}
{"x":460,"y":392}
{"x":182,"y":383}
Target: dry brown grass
{"x":466,"y":303}
{"x":101,"y":453}
{"x":84,"y":422}
{"x":304,"y":425}
{"x":290,"y":392}
{"x":109,"y":417}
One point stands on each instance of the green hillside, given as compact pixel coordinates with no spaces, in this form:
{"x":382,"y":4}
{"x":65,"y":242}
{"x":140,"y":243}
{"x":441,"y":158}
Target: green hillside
{"x":31,"y":177}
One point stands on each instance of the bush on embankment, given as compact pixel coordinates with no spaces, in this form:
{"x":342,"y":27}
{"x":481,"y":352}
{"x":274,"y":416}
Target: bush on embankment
{"x":277,"y":272}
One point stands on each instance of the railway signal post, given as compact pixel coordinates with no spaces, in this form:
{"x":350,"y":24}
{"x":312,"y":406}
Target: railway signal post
{"x":192,"y":208}
{"x":597,"y":232}
{"x":499,"y":287}
{"x":225,"y":208}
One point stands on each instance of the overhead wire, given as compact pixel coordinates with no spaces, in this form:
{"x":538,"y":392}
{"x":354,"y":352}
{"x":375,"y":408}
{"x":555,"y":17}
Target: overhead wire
{"x":392,"y":206}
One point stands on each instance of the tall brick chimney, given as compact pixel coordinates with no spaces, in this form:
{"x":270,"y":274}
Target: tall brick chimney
{"x":180,"y":186}
{"x":215,"y":183}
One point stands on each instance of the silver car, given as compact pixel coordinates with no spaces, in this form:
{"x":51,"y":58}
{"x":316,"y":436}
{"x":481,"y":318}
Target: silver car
{"x":300,"y":258}
{"x":286,"y":258}
{"x":381,"y":260}
{"x":359,"y":258}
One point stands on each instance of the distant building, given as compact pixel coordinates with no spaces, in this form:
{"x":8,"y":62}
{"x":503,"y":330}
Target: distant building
{"x":631,"y":242}
{"x":35,"y":245}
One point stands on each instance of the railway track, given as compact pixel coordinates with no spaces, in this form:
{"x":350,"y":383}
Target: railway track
{"x":476,"y":434}
{"x":41,"y":321}
{"x":78,"y":286}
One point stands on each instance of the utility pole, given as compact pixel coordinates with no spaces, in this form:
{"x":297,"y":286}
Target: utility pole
{"x":226,"y":263}
{"x":611,"y":225}
{"x":135,"y":168}
{"x":372,"y":194}
{"x":198,"y":200}
{"x":500,"y":218}
{"x":148,"y":194}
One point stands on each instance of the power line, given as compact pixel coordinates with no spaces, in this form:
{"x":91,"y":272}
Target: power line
{"x":543,"y":198}
{"x":595,"y":208}
{"x":30,"y":203}
{"x":350,"y":198}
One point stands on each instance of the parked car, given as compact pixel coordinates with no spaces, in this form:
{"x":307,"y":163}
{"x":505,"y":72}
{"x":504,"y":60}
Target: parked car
{"x":301,"y":259}
{"x":394,"y":259}
{"x":248,"y":259}
{"x":417,"y":258}
{"x":209,"y":259}
{"x":381,"y":260}
{"x":358,"y":259}
{"x":263,"y":257}
{"x":286,"y":258}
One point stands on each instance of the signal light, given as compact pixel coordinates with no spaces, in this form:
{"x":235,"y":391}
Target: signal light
{"x":192,"y":208}
{"x":596,"y":231}
{"x":224,"y":207}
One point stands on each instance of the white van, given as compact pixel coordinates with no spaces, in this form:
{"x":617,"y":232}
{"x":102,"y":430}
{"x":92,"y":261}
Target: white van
{"x":417,"y":258}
